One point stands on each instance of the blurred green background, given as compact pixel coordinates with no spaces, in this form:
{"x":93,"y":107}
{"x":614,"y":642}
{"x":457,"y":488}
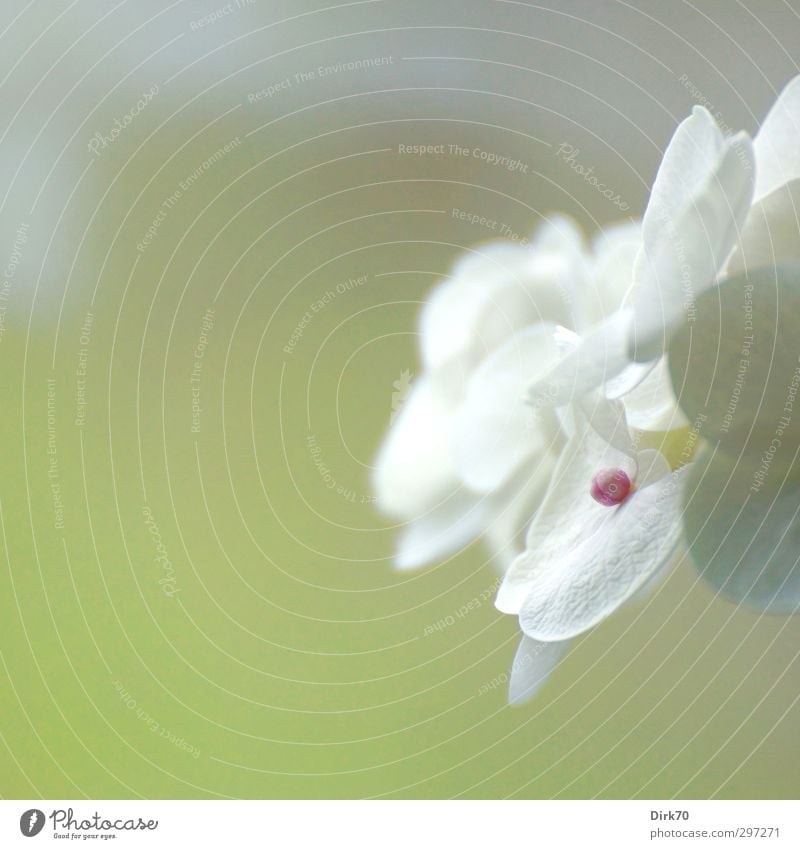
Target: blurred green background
{"x":268,"y":648}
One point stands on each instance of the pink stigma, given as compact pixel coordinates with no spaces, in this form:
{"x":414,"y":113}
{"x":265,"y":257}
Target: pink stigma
{"x":610,"y":487}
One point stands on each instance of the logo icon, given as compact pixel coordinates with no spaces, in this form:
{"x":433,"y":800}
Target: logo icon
{"x":402,"y":388}
{"x":31,"y":822}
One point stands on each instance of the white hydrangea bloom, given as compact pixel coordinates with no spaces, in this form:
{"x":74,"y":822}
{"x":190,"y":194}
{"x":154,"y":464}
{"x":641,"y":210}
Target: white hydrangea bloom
{"x":581,"y":334}
{"x":718,"y":206}
{"x":467,"y":457}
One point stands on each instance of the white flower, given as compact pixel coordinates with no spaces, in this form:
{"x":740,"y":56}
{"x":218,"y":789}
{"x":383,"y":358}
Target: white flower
{"x":594,"y":542}
{"x":467,"y":457}
{"x":772,"y":229}
{"x":694,"y":219}
{"x":717,"y":206}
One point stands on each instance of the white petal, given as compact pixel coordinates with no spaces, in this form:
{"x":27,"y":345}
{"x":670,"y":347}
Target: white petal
{"x":413,"y":469}
{"x":652,"y":405}
{"x":505,"y":536}
{"x":652,"y":466}
{"x":609,"y":421}
{"x":582,"y":457}
{"x":776,"y":145}
{"x":463,"y":516}
{"x":628,"y":379}
{"x":533,"y":664}
{"x":451,"y":317}
{"x":603,"y":573}
{"x":688,"y":163}
{"x":495,"y":429}
{"x":611,"y":281}
{"x":561,"y":235}
{"x":602,"y":354}
{"x":444,"y":529}
{"x":495,"y":290}
{"x":584,"y":560}
{"x":771,"y":232}
{"x":650,"y":586}
{"x":684,"y":257}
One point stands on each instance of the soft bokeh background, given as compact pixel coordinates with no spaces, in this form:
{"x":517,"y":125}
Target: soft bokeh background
{"x":273,"y":651}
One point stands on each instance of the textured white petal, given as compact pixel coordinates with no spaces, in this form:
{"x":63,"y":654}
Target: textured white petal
{"x":777,"y":144}
{"x":688,"y":163}
{"x":444,"y":529}
{"x":652,"y":405}
{"x":605,"y":570}
{"x":602,"y":354}
{"x":584,"y":454}
{"x":413,"y":469}
{"x":533,"y":664}
{"x":495,"y":429}
{"x":771,"y":232}
{"x":684,"y":258}
{"x":584,"y":560}
{"x":649,"y":587}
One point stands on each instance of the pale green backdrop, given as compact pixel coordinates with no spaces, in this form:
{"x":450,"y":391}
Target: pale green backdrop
{"x":268,"y":648}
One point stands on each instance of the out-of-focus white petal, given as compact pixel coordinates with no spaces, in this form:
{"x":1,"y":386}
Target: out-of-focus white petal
{"x":444,"y":529}
{"x":776,"y":144}
{"x":495,"y":290}
{"x":628,"y":379}
{"x":495,"y":429}
{"x":684,"y":258}
{"x":609,"y":421}
{"x":561,"y":235}
{"x":609,"y":285}
{"x":533,"y":664}
{"x":505,"y":536}
{"x":584,"y":560}
{"x":413,"y":469}
{"x":602,"y":354}
{"x":772,"y":231}
{"x":652,"y":404}
{"x":688,"y":164}
{"x":450,"y":321}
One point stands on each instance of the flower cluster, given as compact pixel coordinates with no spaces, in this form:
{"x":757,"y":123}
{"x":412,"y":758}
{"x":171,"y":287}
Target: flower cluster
{"x":550,"y":394}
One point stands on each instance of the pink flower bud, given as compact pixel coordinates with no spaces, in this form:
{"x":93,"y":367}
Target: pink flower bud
{"x":610,"y":487}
